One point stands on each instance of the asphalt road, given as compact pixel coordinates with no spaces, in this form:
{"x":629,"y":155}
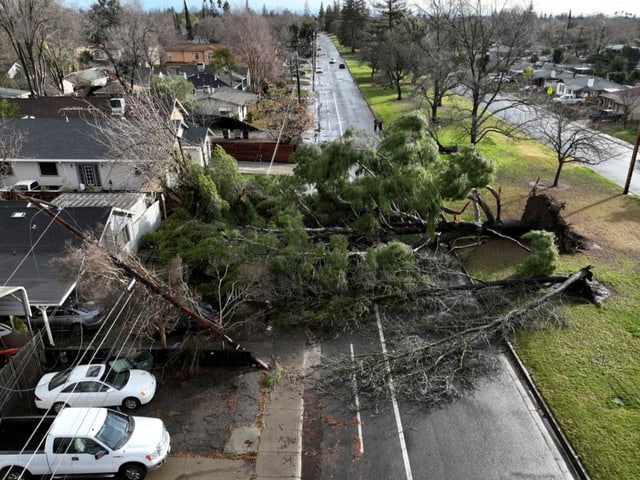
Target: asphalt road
{"x":492,"y":433}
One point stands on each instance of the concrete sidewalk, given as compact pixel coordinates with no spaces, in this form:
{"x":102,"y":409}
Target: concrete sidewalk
{"x":280,"y":447}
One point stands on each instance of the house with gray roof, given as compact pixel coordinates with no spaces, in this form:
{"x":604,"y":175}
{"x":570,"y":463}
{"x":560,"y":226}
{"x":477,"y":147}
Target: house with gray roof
{"x":226,"y":102}
{"x":587,"y":86}
{"x":74,"y":154}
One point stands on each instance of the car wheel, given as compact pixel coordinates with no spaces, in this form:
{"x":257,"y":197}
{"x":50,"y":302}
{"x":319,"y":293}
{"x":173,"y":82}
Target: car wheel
{"x":15,"y":473}
{"x":58,"y":406}
{"x":132,"y":471}
{"x":131,"y":403}
{"x":77,"y":329}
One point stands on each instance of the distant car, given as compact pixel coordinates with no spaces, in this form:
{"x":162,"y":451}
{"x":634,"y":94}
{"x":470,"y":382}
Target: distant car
{"x":77,"y":319}
{"x":26,"y":186}
{"x":97,"y":385}
{"x":341,"y":65}
{"x":319,"y":70}
{"x":332,"y":60}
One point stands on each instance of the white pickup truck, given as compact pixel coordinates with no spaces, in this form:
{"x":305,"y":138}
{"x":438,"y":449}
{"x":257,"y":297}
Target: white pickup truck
{"x":82,"y":442}
{"x":568,"y":99}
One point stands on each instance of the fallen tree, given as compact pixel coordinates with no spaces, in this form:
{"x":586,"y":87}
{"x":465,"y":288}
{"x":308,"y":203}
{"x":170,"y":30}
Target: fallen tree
{"x":436,"y":371}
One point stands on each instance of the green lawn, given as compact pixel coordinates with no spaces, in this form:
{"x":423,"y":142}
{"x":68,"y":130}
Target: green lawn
{"x":588,"y":370}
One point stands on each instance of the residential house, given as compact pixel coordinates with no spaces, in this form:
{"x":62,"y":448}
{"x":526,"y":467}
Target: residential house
{"x":240,"y":78}
{"x":69,"y":152}
{"x":133,"y":215}
{"x":61,"y":107}
{"x":247,"y":143}
{"x":189,"y":53}
{"x":196,"y":144}
{"x":625,"y":102}
{"x":588,"y":87}
{"x":206,"y":82}
{"x":226,"y":102}
{"x":85,"y":80}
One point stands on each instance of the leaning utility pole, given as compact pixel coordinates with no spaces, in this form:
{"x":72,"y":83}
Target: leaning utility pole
{"x":632,"y":164}
{"x":152,"y":283}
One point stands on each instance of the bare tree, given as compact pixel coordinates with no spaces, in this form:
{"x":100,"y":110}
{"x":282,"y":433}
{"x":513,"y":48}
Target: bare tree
{"x":149,"y":137}
{"x":489,"y":42}
{"x":397,"y":57}
{"x":58,"y":51}
{"x":28,"y":23}
{"x":10,"y":144}
{"x":126,"y":34}
{"x":437,"y":64}
{"x":250,"y":37}
{"x":569,"y":137}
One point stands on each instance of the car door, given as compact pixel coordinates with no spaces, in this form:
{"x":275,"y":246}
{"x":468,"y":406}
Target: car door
{"x":88,"y":393}
{"x":80,"y":456}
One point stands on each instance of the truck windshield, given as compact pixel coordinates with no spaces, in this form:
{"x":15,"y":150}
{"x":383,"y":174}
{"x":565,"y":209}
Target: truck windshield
{"x":116,"y":430}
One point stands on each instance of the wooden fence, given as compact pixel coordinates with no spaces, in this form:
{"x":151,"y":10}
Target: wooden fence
{"x":20,"y":375}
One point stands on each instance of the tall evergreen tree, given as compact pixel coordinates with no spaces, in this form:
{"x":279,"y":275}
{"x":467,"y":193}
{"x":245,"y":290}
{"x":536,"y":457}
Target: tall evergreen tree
{"x":187,"y":22}
{"x":354,"y":16}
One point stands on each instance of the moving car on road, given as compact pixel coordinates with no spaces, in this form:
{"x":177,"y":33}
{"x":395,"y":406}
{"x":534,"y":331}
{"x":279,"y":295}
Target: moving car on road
{"x":97,"y":385}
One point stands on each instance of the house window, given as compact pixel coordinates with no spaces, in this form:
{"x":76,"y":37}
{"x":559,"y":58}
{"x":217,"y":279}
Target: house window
{"x":89,"y":175}
{"x":6,"y":169}
{"x":210,"y":56}
{"x":48,"y":169}
{"x":196,"y":55}
{"x":168,"y":55}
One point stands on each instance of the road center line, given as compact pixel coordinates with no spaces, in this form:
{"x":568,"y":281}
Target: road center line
{"x":394,"y":402}
{"x":335,"y":105}
{"x":357,"y":400}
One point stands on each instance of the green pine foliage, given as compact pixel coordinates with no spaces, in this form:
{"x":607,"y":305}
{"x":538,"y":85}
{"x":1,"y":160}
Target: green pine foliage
{"x":544,"y":255}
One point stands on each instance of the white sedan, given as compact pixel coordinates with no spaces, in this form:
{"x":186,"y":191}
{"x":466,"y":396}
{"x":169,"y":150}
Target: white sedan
{"x":95,"y":385}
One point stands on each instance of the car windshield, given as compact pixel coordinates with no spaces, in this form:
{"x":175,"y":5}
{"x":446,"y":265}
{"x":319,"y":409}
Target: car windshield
{"x":116,"y":379}
{"x":116,"y":430}
{"x":59,"y":379}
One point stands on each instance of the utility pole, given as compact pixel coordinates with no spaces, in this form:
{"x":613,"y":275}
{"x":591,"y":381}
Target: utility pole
{"x":632,"y":164}
{"x":150,"y":282}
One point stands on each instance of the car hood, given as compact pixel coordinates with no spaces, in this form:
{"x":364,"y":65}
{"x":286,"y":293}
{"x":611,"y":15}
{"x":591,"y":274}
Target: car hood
{"x":147,"y":434}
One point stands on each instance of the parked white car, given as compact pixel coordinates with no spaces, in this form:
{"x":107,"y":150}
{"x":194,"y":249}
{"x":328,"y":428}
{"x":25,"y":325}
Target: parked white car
{"x":97,"y":385}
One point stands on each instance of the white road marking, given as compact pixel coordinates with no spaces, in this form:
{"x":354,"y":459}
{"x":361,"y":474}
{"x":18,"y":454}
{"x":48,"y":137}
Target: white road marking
{"x":396,"y":409}
{"x":357,"y":400}
{"x":335,"y":105}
